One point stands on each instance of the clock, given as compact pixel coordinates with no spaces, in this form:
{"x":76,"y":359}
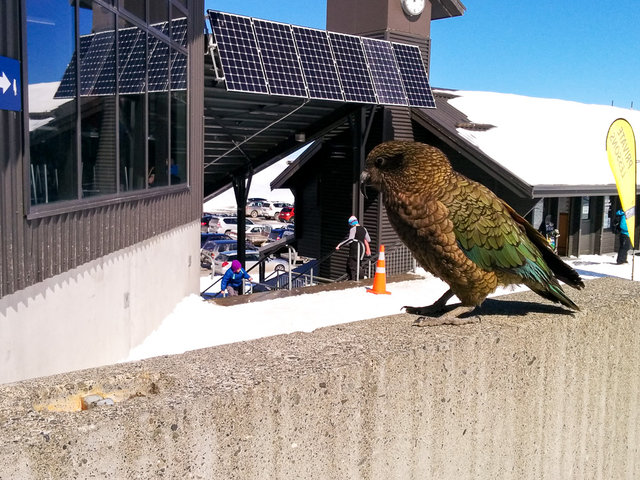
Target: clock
{"x":412,"y":8}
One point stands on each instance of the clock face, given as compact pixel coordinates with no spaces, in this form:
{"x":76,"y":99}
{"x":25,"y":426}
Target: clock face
{"x":412,"y":7}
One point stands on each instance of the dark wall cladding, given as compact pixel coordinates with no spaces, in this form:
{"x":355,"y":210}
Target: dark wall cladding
{"x":32,"y":250}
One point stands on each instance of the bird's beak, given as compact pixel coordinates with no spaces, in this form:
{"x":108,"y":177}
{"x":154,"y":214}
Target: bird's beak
{"x":364,"y":180}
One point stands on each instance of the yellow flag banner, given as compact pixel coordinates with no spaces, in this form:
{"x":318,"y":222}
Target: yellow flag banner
{"x":621,"y":150}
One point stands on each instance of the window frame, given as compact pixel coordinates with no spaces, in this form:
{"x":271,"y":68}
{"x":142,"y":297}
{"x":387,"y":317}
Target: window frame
{"x":42,"y":210}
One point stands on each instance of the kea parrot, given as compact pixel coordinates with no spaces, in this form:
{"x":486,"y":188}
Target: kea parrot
{"x":460,"y":231}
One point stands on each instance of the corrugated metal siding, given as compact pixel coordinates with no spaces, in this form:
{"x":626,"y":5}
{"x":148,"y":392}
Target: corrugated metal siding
{"x":308,"y":230}
{"x":12,"y":240}
{"x":336,"y":200}
{"x":33,"y":250}
{"x":401,"y":122}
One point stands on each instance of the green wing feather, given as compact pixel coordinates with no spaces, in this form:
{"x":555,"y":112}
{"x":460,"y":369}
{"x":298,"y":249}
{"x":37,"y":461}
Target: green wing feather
{"x":495,"y":240}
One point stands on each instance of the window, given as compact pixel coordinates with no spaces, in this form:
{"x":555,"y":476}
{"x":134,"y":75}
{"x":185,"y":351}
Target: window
{"x":52,"y":100}
{"x":585,"y":213}
{"x":108,"y":102}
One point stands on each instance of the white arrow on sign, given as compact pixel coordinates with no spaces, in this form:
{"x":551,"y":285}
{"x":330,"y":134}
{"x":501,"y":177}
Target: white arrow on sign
{"x":4,"y":83}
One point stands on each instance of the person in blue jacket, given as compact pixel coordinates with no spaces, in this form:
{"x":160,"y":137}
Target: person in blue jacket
{"x":625,"y":241}
{"x":232,"y":279}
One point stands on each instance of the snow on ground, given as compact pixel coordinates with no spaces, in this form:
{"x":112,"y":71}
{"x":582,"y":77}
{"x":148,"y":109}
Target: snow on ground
{"x":196,"y":323}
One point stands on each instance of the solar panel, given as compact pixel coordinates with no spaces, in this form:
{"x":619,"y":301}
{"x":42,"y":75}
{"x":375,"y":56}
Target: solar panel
{"x":352,"y":68}
{"x":178,"y":70}
{"x":67,"y":87}
{"x":238,"y":53}
{"x":318,"y":65}
{"x":93,"y":58}
{"x":105,"y":83}
{"x":280,"y":59}
{"x":384,"y":71}
{"x":158,"y":65}
{"x":132,"y":54}
{"x":414,"y":75}
{"x":179,"y":30}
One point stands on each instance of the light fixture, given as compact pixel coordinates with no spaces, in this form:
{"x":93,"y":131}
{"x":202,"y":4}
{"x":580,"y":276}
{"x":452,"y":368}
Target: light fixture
{"x":300,"y":137}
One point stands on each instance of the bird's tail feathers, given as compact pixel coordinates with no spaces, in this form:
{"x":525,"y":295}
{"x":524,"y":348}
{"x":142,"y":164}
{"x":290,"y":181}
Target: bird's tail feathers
{"x":563,"y":272}
{"x":555,"y":294}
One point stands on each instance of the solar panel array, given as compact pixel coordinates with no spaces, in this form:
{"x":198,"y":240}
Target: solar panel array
{"x":144,"y":62}
{"x":352,"y":68}
{"x":318,"y":67}
{"x":259,"y":56}
{"x":416,"y":83}
{"x":384,"y":71}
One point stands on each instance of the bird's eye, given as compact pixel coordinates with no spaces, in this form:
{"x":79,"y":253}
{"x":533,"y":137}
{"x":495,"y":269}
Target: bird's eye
{"x":388,"y":162}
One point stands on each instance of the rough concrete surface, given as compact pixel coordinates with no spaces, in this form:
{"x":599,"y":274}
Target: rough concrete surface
{"x":533,"y":391}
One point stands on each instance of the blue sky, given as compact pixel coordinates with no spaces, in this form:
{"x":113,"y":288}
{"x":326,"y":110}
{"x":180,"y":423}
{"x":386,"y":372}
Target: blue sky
{"x":582,"y":50}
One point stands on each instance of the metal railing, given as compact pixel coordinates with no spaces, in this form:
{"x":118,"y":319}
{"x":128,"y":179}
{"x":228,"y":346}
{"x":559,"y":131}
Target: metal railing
{"x":397,"y":257}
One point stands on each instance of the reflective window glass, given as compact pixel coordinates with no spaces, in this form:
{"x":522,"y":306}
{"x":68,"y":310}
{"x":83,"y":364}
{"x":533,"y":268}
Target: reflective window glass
{"x":158,"y":116}
{"x":97,"y":100}
{"x":178,"y":26}
{"x":137,"y":7}
{"x":178,"y":137}
{"x":52,"y":105}
{"x":158,"y":138}
{"x":159,"y":15}
{"x":132,"y":52}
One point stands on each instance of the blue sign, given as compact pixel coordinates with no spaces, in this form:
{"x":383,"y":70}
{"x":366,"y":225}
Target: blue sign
{"x":10,"y":85}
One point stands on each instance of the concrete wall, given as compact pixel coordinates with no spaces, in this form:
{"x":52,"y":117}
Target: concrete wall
{"x":95,"y":314}
{"x":531,"y":392}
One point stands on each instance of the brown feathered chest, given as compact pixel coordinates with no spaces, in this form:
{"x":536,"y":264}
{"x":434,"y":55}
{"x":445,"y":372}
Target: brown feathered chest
{"x":423,"y":221}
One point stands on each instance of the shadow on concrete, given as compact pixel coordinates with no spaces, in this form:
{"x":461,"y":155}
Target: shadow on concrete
{"x":515,"y":307}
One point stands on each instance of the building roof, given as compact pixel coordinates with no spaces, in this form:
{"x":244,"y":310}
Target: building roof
{"x":548,"y":146}
{"x":446,"y":9}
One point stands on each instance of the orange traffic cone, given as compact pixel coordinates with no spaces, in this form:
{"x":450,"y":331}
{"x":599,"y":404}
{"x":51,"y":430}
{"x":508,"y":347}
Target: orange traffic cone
{"x":380,"y":278}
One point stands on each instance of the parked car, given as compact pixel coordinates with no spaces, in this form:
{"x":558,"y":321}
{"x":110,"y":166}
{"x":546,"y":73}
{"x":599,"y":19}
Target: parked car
{"x":204,"y":222}
{"x":257,"y":234}
{"x":223,"y":260}
{"x":213,"y":247}
{"x":205,"y":237}
{"x":260,"y":209}
{"x":225,"y":224}
{"x":277,"y":234}
{"x":278,"y":206}
{"x":286,"y":214}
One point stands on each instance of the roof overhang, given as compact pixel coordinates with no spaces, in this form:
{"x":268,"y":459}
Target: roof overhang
{"x":542,"y":191}
{"x":446,"y":9}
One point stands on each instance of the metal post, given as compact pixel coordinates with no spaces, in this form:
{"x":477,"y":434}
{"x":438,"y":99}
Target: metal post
{"x":46,"y":185}
{"x":290,"y":250}
{"x":358,"y":264}
{"x":241,"y":191}
{"x":35,"y":187}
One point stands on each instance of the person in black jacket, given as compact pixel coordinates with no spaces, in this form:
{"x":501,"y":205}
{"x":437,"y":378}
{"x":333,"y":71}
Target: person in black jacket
{"x":358,"y":236}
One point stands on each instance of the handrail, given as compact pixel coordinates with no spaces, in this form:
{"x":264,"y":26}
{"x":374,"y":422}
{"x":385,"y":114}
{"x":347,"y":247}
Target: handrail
{"x":261,"y":261}
{"x":308,"y":267}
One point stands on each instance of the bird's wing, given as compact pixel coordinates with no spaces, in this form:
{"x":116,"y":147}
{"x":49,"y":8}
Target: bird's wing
{"x":490,"y":237}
